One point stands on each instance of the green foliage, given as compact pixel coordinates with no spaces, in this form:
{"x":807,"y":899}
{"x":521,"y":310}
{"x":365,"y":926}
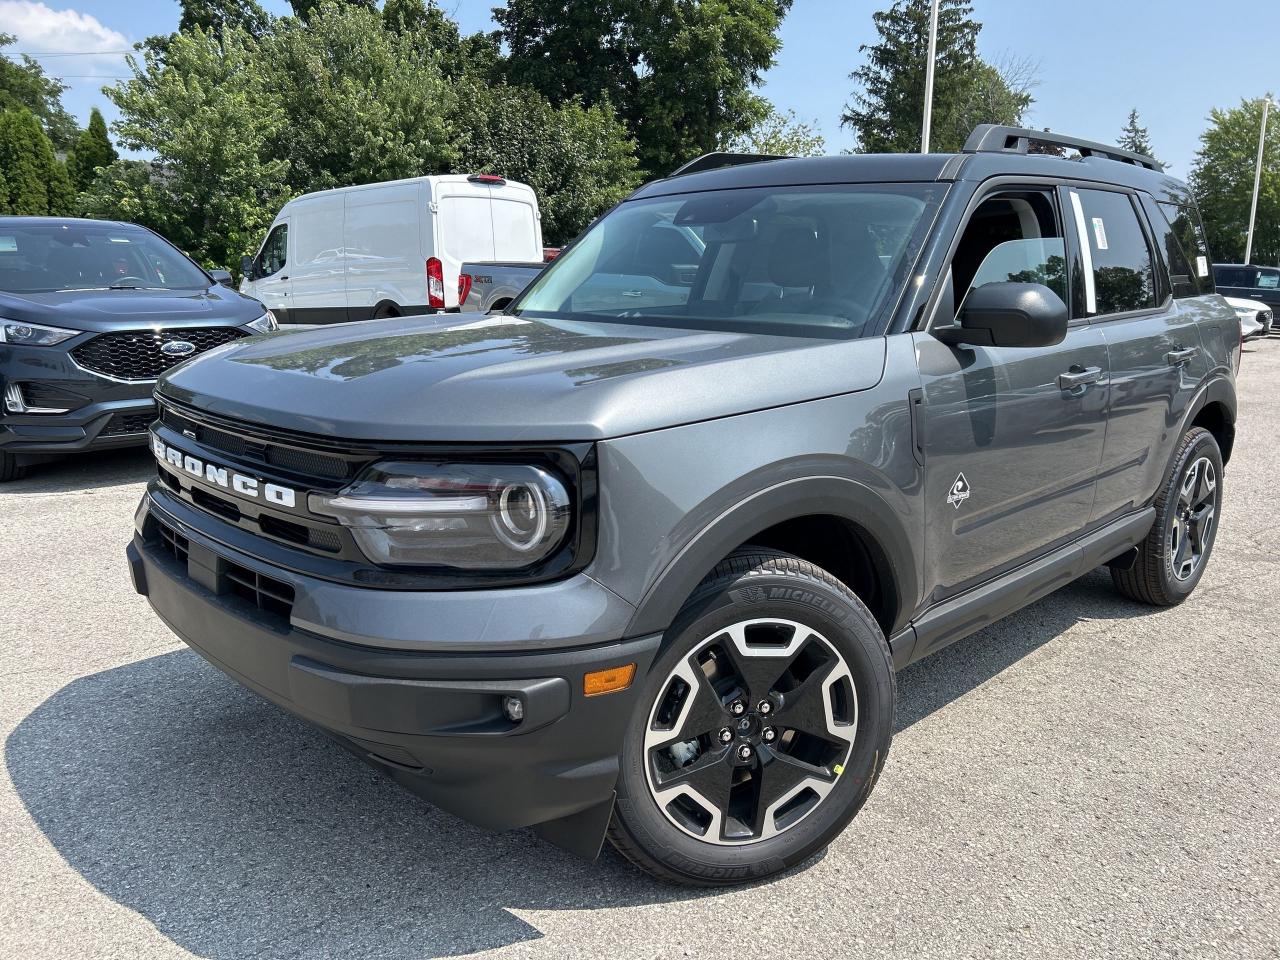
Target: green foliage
{"x":1134,"y":136}
{"x":428,"y":26}
{"x":92,"y":150}
{"x":364,"y":104}
{"x":782,"y":134}
{"x":35,"y":181}
{"x":219,"y":16}
{"x":305,"y":9}
{"x":679,"y":72}
{"x":208,"y":114}
{"x":887,"y":108}
{"x":24,"y":85}
{"x":1222,"y":180}
{"x":578,"y":159}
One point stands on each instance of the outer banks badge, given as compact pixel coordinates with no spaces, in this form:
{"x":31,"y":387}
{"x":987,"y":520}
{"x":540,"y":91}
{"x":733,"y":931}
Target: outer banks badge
{"x":959,"y":492}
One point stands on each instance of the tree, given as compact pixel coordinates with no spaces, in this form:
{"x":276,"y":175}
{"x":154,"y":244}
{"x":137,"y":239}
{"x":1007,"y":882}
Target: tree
{"x":1134,"y":136}
{"x":24,"y":85}
{"x":887,"y":108}
{"x":578,"y":159}
{"x":92,"y":150}
{"x":782,"y":134}
{"x":35,"y":181}
{"x":218,"y":16}
{"x":208,"y":113}
{"x":304,"y":9}
{"x":427,"y":25}
{"x":679,"y":72}
{"x":1222,"y":181}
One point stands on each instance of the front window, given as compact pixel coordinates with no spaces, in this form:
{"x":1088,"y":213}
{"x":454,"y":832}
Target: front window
{"x":817,"y":261}
{"x":45,"y":257}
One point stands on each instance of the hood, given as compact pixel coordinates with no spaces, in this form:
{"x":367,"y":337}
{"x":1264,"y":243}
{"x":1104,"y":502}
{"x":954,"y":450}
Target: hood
{"x":511,"y":379}
{"x":101,"y":311}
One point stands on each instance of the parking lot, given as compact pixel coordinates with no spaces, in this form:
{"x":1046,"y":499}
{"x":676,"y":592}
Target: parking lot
{"x":1087,"y":778}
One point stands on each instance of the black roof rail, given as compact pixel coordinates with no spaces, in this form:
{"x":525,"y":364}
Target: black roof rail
{"x":712,"y":161}
{"x":992,"y":138}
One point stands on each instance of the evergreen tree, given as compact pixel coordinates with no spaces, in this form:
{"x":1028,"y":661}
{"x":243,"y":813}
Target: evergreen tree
{"x":93,"y":150}
{"x":888,"y":107}
{"x":1134,"y":136}
{"x":25,"y":86}
{"x":35,"y":181}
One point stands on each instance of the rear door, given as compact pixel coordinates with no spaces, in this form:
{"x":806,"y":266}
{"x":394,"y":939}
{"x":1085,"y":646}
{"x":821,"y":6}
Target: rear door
{"x":383,"y":251}
{"x":517,"y":233}
{"x":463,"y":231}
{"x":1153,"y":344}
{"x":1012,"y":436}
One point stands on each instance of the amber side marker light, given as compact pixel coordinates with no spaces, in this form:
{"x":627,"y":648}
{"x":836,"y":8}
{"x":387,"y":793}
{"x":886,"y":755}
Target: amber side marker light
{"x":608,"y":681}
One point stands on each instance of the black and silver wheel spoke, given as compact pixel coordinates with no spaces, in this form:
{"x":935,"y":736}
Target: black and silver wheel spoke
{"x":1192,"y":529}
{"x":750,"y":731}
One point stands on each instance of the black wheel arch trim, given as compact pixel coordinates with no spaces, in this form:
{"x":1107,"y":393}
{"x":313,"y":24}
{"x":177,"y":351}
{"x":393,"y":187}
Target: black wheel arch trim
{"x":1217,"y":388}
{"x":841,"y":497}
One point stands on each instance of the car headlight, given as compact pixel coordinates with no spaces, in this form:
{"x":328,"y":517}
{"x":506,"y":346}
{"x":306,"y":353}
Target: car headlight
{"x":34,"y":334}
{"x":265,"y":323}
{"x":469,"y":516}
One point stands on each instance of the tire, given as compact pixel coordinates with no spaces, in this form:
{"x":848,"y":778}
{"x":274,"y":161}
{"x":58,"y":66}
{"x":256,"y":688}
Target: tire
{"x":814,"y":752}
{"x":9,"y":467}
{"x":386,"y":311}
{"x":1161,"y":576}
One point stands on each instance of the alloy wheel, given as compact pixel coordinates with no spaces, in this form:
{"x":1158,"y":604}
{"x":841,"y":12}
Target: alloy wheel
{"x":749,"y":732}
{"x":1192,"y":529}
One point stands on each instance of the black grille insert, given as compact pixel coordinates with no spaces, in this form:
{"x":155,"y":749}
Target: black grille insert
{"x":307,"y":463}
{"x":127,"y":424}
{"x":139,"y":354}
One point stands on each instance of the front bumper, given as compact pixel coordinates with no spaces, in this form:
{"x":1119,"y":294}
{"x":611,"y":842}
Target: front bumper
{"x":431,"y":719}
{"x":107,"y":413}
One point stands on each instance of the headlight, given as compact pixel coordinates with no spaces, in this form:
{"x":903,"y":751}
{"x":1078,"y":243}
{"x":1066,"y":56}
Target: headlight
{"x":470,"y":516}
{"x":265,"y":323}
{"x":33,"y":334}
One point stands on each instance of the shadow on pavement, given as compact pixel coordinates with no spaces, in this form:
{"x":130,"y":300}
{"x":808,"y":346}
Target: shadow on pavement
{"x":238,"y":831}
{"x":95,"y":470}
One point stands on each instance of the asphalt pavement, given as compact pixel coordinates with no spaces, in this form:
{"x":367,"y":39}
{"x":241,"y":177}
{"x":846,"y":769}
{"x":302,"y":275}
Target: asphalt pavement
{"x":1087,"y":778}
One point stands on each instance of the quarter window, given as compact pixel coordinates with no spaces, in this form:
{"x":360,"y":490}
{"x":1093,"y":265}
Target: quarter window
{"x":1119,"y":272}
{"x":274,"y":251}
{"x":1185,"y":221}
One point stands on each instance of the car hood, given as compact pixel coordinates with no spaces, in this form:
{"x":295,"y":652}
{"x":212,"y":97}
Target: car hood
{"x":105,"y":310}
{"x":504,"y":378}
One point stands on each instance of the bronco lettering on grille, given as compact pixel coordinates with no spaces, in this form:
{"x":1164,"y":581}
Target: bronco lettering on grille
{"x":211,"y":473}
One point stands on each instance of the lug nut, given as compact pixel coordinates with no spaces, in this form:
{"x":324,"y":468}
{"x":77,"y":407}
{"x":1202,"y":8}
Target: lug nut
{"x":744,"y":752}
{"x":768,"y":734}
{"x":737,"y":708}
{"x":726,"y":735}
{"x":765,"y":708}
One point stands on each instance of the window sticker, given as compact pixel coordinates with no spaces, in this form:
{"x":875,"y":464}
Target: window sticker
{"x":119,"y":239}
{"x":1099,"y":233}
{"x":1268,"y":281}
{"x":1202,"y":266}
{"x":8,"y":244}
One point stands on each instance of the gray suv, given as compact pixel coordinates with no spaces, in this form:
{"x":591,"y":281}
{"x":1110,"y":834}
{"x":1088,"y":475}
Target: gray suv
{"x":639,"y":556}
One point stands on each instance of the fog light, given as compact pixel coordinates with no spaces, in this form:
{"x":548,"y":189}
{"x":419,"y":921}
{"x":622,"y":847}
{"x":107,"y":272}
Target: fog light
{"x":513,"y":707}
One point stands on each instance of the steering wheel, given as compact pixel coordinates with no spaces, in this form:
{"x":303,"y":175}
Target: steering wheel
{"x":118,"y":281}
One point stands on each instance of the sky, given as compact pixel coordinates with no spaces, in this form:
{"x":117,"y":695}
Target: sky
{"x":1174,"y":60}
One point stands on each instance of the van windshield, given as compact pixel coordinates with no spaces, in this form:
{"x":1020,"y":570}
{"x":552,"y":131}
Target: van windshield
{"x":51,"y":256}
{"x":818,"y":261}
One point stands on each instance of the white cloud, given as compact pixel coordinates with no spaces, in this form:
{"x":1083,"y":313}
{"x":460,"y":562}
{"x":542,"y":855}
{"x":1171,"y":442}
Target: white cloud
{"x":41,"y":29}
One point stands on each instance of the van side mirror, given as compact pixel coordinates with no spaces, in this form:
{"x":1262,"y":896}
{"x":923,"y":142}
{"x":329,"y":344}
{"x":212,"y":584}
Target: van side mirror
{"x":222,"y":276}
{"x":247,"y":265}
{"x":1009,"y":314}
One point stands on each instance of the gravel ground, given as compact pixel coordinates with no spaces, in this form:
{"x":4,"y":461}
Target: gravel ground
{"x":1087,"y":778}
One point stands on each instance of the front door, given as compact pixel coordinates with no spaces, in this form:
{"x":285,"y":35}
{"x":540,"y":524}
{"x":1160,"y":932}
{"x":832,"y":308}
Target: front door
{"x":1012,"y":437}
{"x":271,"y":282}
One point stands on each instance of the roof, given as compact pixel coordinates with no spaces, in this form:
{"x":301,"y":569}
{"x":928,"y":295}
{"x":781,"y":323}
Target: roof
{"x":67,"y":221}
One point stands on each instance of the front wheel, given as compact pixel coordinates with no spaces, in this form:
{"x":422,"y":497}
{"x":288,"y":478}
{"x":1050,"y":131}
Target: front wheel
{"x":1172,"y":558}
{"x":762,"y":726}
{"x":9,"y":467}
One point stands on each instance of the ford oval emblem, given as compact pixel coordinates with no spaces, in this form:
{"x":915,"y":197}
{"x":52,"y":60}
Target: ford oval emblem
{"x":178,"y":348}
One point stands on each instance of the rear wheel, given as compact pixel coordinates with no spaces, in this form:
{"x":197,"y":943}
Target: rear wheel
{"x":1172,"y":558}
{"x":9,"y":467}
{"x":762,"y":727}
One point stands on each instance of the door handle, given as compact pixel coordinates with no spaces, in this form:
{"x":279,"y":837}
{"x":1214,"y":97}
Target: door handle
{"x":1177,"y":357}
{"x":1079,"y":376}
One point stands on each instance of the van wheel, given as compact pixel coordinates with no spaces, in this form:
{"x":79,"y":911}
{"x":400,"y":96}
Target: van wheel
{"x":385,"y":311}
{"x":9,"y":467}
{"x":1172,"y":558}
{"x":761,"y":728}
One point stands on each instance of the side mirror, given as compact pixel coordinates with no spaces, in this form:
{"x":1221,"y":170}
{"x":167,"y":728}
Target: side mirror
{"x":1009,"y":315}
{"x":222,"y":276}
{"x":247,"y":267}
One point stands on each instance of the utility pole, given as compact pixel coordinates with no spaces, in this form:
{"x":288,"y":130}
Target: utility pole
{"x":1257,"y":176}
{"x":928,"y":76}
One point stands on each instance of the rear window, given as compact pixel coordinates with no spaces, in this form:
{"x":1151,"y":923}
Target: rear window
{"x":44,"y":257}
{"x":1184,"y":220}
{"x":816,"y":261}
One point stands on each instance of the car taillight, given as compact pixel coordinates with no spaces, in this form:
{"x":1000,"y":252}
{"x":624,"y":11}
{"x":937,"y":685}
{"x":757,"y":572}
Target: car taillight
{"x":435,"y":283}
{"x":550,"y":253}
{"x":464,"y":287}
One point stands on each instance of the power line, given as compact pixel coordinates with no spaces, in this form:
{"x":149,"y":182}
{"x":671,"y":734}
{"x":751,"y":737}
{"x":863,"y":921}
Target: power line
{"x":78,"y":53}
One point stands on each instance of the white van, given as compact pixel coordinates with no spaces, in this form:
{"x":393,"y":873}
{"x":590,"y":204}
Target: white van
{"x":388,"y":249}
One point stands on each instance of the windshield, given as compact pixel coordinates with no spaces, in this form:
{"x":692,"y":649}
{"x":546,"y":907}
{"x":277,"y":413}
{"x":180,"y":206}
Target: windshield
{"x":44,"y":257}
{"x":818,"y":261}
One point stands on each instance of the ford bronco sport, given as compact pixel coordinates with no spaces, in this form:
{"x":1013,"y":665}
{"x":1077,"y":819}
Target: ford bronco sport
{"x":639,"y":556}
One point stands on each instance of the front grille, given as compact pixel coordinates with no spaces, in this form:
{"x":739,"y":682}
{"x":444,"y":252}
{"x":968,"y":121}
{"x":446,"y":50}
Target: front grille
{"x":138,"y":354}
{"x":306,"y":463}
{"x":127,"y":424}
